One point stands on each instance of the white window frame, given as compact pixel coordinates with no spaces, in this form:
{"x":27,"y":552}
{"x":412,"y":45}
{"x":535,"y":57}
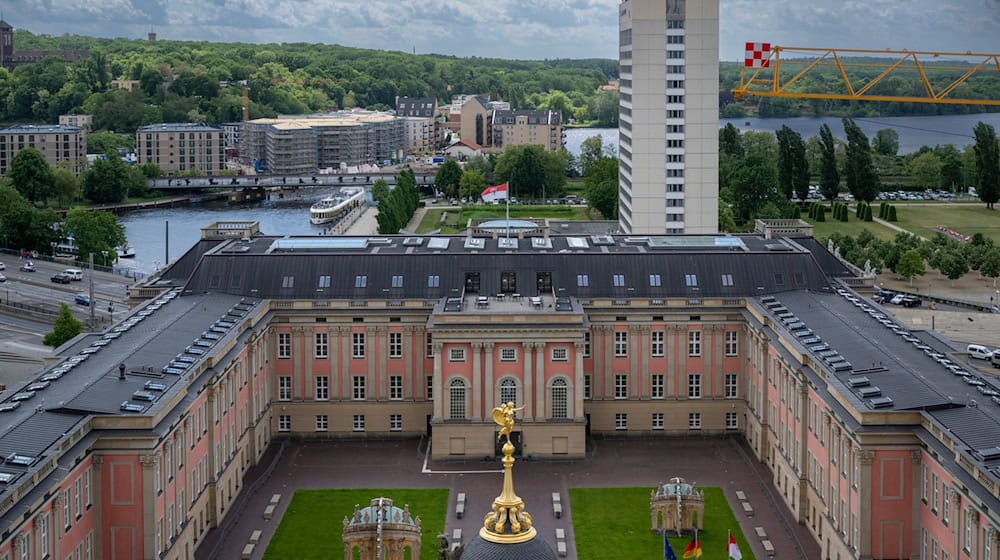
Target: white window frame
{"x":694,"y":420}
{"x":560,"y":354}
{"x":284,"y":423}
{"x":508,"y":354}
{"x":621,"y":344}
{"x":694,"y":344}
{"x":358,"y":423}
{"x":656,"y":385}
{"x":284,"y":346}
{"x":588,"y":389}
{"x":621,"y":386}
{"x":657,"y":421}
{"x":395,"y":345}
{"x":560,"y":399}
{"x":322,"y":423}
{"x":359,"y":388}
{"x":656,"y":344}
{"x":508,"y":390}
{"x":395,"y":387}
{"x":321,"y":345}
{"x":732,"y":421}
{"x":457,"y":408}
{"x":732,"y":343}
{"x":358,"y":345}
{"x":694,"y":385}
{"x":621,"y":421}
{"x":284,"y":387}
{"x":732,"y":385}
{"x":395,"y":422}
{"x":322,"y":387}
{"x":456,"y":355}
{"x":586,"y":344}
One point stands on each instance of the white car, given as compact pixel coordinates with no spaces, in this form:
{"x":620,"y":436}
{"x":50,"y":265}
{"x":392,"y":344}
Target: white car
{"x":897,"y":299}
{"x":3,"y":266}
{"x":979,"y":352}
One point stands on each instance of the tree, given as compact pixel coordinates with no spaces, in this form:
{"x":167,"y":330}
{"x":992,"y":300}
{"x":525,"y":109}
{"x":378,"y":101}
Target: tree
{"x":731,"y":141}
{"x":953,"y":265}
{"x":886,"y":142}
{"x":793,"y":168}
{"x":380,"y":190}
{"x":523,"y":168}
{"x":447,"y":177}
{"x":472,"y":184}
{"x":987,"y":164}
{"x":601,"y":187}
{"x":65,"y":186}
{"x":107,"y":181}
{"x":591,"y":150}
{"x":829,"y":180}
{"x":755,"y":184}
{"x":23,"y":225}
{"x":925,"y":170}
{"x":990,"y":265}
{"x":95,"y":232}
{"x":481,"y":164}
{"x":31,"y":175}
{"x":911,"y":264}
{"x":65,"y":328}
{"x":862,"y":178}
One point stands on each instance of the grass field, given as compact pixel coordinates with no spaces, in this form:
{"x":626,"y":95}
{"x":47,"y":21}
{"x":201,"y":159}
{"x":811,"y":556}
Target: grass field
{"x":967,"y":219}
{"x":312,"y":526}
{"x":853,"y":227}
{"x":457,"y":219}
{"x":614,"y":523}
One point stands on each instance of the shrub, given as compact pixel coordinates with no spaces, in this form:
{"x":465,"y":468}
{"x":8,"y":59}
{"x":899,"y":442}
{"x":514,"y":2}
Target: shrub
{"x":891,"y":213}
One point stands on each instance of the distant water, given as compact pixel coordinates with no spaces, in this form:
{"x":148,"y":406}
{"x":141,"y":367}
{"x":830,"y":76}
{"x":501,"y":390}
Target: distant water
{"x":914,"y":132}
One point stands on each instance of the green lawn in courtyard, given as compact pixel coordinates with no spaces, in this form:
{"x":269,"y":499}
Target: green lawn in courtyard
{"x":313,"y":524}
{"x":456,"y":219}
{"x":967,"y":219}
{"x":614,"y":523}
{"x":852,"y":227}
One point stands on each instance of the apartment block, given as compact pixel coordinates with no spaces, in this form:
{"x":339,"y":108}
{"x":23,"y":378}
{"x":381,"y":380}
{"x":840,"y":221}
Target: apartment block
{"x":668,"y":116}
{"x":82,"y":121}
{"x":61,"y":145}
{"x":182,"y":147}
{"x":518,"y":128}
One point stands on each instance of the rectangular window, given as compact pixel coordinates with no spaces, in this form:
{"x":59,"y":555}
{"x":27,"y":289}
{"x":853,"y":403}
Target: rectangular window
{"x":358,"y":424}
{"x":923,"y":483}
{"x":621,"y":386}
{"x":731,"y":421}
{"x":586,"y":386}
{"x":456,"y":354}
{"x":655,"y":281}
{"x":358,"y":393}
{"x":691,"y":280}
{"x":657,"y":386}
{"x":357,"y":345}
{"x":322,"y":388}
{"x":727,"y":280}
{"x":284,"y":345}
{"x":586,"y":344}
{"x":284,"y":388}
{"x":694,"y":420}
{"x":284,"y":423}
{"x":395,"y":387}
{"x":618,"y":280}
{"x":430,"y":388}
{"x":560,"y":355}
{"x":322,"y":422}
{"x":322,"y":345}
{"x":731,"y":387}
{"x":324,"y":282}
{"x":621,"y":344}
{"x":88,"y":493}
{"x":657,"y":420}
{"x":397,"y":281}
{"x":395,"y":422}
{"x":934,"y":492}
{"x":945,"y":504}
{"x":582,"y":280}
{"x":361,"y":281}
{"x":429,"y":346}
{"x":287,"y":281}
{"x":434,"y":281}
{"x":694,"y":344}
{"x":508,"y":354}
{"x":656,"y":344}
{"x":694,"y":385}
{"x":621,"y":421}
{"x":395,"y":345}
{"x":732,"y":343}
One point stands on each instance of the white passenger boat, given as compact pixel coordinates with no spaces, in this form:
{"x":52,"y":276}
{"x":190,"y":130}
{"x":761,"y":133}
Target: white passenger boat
{"x":125,"y":251}
{"x":331,"y":208}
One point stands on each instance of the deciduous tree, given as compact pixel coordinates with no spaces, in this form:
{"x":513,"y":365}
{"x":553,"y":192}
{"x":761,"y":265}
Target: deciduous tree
{"x":65,"y":328}
{"x":95,"y":232}
{"x":31,"y":175}
{"x":601,"y":187}
{"x":987,"y":164}
{"x":925,"y":170}
{"x":911,"y":264}
{"x":107,"y":181}
{"x":472,"y":184}
{"x":862,"y":178}
{"x":447,"y":177}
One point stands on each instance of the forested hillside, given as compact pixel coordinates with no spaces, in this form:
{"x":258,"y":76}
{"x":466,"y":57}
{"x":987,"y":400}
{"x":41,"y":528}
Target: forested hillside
{"x":180,"y":81}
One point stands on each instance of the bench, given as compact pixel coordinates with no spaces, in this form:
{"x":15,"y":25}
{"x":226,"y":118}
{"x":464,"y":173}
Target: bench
{"x":557,"y":510}
{"x":456,"y":536}
{"x":741,"y":496}
{"x":275,"y":499}
{"x":747,"y":509}
{"x":255,"y":536}
{"x":269,"y":511}
{"x":768,"y":547}
{"x":247,"y":551}
{"x":761,"y":533}
{"x":560,"y":534}
{"x":561,"y":548}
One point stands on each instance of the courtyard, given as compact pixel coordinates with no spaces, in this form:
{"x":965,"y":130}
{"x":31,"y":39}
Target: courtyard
{"x":635,"y":463}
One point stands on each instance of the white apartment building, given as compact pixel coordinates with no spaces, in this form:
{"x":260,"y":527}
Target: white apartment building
{"x":669,"y":116}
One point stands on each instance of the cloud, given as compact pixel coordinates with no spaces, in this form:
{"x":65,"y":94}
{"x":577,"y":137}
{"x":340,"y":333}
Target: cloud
{"x":515,"y":28}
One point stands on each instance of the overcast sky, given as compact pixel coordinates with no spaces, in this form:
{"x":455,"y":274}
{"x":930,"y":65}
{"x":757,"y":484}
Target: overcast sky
{"x":530,"y":29}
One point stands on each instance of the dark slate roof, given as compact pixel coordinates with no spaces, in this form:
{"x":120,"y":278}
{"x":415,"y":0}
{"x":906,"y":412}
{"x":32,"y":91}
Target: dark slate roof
{"x":535,"y":549}
{"x":534,"y":117}
{"x":42,"y":129}
{"x":179,"y":127}
{"x":830,"y":264}
{"x":184,"y":266}
{"x":264,"y":269}
{"x":416,"y":106}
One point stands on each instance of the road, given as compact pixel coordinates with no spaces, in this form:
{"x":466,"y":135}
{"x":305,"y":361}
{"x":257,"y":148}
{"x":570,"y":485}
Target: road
{"x":21,"y":350}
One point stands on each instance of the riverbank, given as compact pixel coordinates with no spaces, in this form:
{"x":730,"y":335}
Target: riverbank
{"x":155,"y":203}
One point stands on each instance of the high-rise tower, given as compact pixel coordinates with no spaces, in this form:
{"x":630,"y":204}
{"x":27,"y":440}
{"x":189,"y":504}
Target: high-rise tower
{"x":669,"y":116}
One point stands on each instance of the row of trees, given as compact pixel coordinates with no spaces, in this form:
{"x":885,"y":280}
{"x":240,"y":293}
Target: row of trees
{"x":397,"y":205}
{"x":108,"y":180}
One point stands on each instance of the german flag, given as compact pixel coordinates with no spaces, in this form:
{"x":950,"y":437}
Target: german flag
{"x":693,"y":550}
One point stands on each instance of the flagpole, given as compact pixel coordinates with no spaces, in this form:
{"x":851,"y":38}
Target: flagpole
{"x":507,"y":199}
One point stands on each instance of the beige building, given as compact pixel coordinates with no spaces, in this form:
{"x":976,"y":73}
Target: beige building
{"x":60,"y":144}
{"x":516,"y":128}
{"x":82,"y":121}
{"x":475,"y":121}
{"x":669,"y":82}
{"x":182,"y":147}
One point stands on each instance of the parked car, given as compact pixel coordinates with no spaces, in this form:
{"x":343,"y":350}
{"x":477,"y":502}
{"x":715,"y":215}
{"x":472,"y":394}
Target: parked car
{"x":3,"y":266}
{"x":28,"y":267}
{"x":897,"y":299}
{"x":82,"y":299}
{"x":978,"y":352}
{"x":911,"y":301}
{"x":2,"y":277}
{"x":62,"y":278}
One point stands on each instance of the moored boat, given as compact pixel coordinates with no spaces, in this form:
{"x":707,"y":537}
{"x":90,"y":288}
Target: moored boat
{"x":332,"y":207}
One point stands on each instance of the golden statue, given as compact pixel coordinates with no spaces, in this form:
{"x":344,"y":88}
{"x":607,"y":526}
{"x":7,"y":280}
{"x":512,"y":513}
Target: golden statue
{"x":507,"y":508}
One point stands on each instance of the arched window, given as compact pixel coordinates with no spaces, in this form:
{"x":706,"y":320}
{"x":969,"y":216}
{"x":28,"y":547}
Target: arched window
{"x":508,"y":391}
{"x":560,"y":406}
{"x":457,"y":393}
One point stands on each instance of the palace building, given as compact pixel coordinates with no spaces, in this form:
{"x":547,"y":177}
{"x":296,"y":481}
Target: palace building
{"x":135,"y":444}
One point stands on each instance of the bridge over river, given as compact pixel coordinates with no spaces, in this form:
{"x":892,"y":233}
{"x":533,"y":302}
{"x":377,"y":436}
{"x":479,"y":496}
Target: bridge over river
{"x":281,"y":182}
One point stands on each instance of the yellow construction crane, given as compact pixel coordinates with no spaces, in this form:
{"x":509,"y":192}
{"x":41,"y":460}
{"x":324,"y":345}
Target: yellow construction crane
{"x":776,"y":71}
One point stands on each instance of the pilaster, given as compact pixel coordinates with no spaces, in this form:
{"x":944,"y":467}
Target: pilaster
{"x":578,"y":380}
{"x":867,"y":459}
{"x":438,"y":389}
{"x":409,"y":376}
{"x":344,"y":363}
{"x":529,"y":405}
{"x":488,"y":384}
{"x":540,"y":357}
{"x":477,"y":381}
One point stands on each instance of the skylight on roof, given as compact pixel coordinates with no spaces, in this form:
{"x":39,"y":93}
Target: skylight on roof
{"x":507,"y":243}
{"x":602,"y":240}
{"x":475,"y":243}
{"x":440,"y":243}
{"x":541,"y":243}
{"x":577,"y":243}
{"x":318,"y":244}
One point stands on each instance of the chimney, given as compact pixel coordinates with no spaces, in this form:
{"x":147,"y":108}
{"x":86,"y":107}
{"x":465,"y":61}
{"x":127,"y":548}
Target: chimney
{"x":121,"y":372}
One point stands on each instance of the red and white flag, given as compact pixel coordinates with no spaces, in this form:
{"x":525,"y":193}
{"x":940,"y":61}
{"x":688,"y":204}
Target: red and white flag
{"x":734,"y":549}
{"x":757,"y":55}
{"x":497,"y":192}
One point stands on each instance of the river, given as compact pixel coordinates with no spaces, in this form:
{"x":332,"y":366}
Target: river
{"x":290,"y":216}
